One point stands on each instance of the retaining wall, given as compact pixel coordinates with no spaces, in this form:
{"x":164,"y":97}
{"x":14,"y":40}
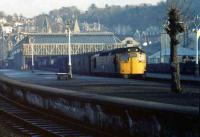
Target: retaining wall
{"x":122,"y":117}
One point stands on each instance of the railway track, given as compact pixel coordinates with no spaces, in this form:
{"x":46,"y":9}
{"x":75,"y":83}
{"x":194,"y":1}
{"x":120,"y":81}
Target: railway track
{"x":32,"y":124}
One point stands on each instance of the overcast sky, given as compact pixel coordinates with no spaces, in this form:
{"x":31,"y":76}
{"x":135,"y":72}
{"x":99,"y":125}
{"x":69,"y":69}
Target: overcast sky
{"x":30,"y":8}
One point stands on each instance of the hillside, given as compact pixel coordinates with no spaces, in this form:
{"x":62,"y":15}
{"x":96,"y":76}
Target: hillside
{"x":131,"y":18}
{"x":121,"y":20}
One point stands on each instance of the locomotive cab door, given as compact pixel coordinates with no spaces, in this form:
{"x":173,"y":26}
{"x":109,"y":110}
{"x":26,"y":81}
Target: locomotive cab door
{"x":125,"y":65}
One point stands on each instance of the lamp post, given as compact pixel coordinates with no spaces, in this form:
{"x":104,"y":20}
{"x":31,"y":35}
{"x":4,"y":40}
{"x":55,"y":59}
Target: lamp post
{"x":32,"y":40}
{"x":69,"y":51}
{"x":197,"y":53}
{"x":197,"y":31}
{"x":2,"y":50}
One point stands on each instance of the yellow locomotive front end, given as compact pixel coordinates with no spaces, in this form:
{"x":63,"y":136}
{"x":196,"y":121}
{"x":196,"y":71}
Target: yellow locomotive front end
{"x":133,"y":63}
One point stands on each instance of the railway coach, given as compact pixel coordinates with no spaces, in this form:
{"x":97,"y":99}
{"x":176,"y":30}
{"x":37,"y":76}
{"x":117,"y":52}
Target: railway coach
{"x":127,"y":62}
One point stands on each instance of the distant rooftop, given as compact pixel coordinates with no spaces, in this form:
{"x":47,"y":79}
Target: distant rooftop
{"x":181,"y":51}
{"x":152,"y":48}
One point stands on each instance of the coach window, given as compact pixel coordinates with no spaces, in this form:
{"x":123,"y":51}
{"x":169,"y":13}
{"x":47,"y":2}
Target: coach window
{"x":95,"y":63}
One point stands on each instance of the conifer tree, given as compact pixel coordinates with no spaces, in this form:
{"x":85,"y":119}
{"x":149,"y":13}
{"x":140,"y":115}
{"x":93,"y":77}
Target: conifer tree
{"x":173,"y":28}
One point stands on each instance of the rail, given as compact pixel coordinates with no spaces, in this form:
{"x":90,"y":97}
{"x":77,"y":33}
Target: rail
{"x":31,"y":122}
{"x":119,"y":116}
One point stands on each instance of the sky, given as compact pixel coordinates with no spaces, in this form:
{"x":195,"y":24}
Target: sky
{"x":30,"y":8}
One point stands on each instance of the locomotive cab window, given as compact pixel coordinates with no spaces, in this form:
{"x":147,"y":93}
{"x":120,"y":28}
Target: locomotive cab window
{"x":125,"y":57}
{"x":133,"y":54}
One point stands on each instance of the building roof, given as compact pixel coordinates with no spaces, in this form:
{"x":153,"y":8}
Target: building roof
{"x":181,"y":52}
{"x":104,"y":40}
{"x":46,"y":26}
{"x":76,"y":26}
{"x":98,"y":37}
{"x":119,"y":50}
{"x":130,"y":39}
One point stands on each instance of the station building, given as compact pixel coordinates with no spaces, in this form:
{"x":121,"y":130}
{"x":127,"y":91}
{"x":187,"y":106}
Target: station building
{"x":186,"y":48}
{"x":45,"y":47}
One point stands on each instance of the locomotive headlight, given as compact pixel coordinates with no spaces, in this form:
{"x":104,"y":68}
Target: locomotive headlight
{"x":141,"y":58}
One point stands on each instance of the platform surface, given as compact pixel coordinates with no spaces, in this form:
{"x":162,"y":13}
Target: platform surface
{"x":127,"y":88}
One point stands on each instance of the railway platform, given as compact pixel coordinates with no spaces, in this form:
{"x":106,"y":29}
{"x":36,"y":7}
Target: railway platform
{"x":118,"y":87}
{"x":168,"y":76}
{"x":155,"y":76}
{"x":109,"y":103}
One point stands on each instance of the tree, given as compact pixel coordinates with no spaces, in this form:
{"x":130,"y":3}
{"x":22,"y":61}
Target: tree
{"x":92,"y":7}
{"x":174,"y":27}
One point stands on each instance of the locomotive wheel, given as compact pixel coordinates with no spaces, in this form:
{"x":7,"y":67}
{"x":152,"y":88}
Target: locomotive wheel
{"x":58,"y":77}
{"x":126,"y":76}
{"x":144,"y":75}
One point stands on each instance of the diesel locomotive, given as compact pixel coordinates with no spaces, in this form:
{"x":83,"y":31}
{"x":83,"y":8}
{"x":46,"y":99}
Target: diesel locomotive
{"x":126,"y":62}
{"x":130,"y":61}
